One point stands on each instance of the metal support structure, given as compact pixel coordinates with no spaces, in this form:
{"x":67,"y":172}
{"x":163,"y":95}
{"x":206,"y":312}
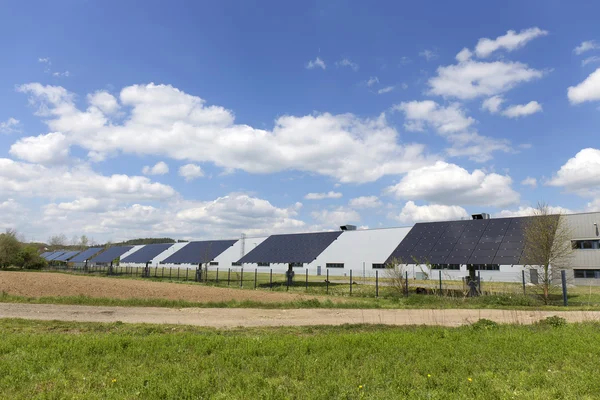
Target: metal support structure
{"x":563,"y":278}
{"x":350,"y":282}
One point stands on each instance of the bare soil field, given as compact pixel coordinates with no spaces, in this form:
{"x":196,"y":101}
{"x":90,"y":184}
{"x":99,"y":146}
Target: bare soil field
{"x":43,"y":284}
{"x":252,"y":317}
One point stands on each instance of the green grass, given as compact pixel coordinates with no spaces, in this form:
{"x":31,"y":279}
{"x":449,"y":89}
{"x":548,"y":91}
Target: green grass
{"x":55,"y":360}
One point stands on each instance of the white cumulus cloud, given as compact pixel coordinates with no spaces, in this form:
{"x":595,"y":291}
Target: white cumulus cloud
{"x":588,"y":90}
{"x":580,"y":174}
{"x":586,"y":46}
{"x":160,"y":168}
{"x":52,"y":148}
{"x":348,"y":63}
{"x":529,"y":181}
{"x":365,"y":202}
{"x":316,"y":63}
{"x":386,"y":89}
{"x":11,"y":125}
{"x":321,"y":196}
{"x":190,"y":172}
{"x":449,"y":184}
{"x":509,"y":42}
{"x":163,"y":121}
{"x":412,"y":213}
{"x":493,"y":104}
{"x":522,"y":110}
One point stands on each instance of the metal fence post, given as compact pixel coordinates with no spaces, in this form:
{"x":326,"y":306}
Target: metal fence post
{"x":563,"y":277}
{"x":187,"y":270}
{"x":440,"y":282}
{"x":242,"y":278}
{"x":350,"y":282}
{"x":524,"y":291}
{"x":327,"y":282}
{"x":178,"y":270}
{"x":271,"y":279}
{"x":228,"y":276}
{"x":479,"y":280}
{"x":255,"y":276}
{"x":217,"y":278}
{"x":377,"y":283}
{"x":406,"y":281}
{"x":306,"y":284}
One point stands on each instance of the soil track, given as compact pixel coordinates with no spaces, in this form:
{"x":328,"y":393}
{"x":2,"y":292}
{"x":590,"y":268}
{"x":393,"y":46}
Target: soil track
{"x":251,"y":317}
{"x":48,"y":284}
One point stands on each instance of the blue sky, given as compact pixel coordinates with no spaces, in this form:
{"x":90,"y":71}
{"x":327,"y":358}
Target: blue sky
{"x":278,"y":117}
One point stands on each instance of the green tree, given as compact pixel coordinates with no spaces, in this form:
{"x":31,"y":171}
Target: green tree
{"x":28,"y":257}
{"x":9,"y":248}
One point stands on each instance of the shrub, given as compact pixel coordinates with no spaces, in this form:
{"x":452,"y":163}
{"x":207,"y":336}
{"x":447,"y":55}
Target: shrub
{"x":554,"y":321}
{"x":484,"y":324}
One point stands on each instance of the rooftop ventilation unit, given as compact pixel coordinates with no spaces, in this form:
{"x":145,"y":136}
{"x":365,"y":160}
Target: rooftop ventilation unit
{"x":348,"y":227}
{"x":481,"y":216}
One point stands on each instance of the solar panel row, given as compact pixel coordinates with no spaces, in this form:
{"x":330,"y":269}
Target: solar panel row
{"x":484,"y":241}
{"x":111,"y":254}
{"x":67,"y":256}
{"x":146,"y":253}
{"x":199,"y":252}
{"x":86,"y":254}
{"x":291,"y":248}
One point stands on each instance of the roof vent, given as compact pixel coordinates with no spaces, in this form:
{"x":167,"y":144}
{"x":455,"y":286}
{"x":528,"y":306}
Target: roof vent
{"x":481,"y":216}
{"x":348,"y":227}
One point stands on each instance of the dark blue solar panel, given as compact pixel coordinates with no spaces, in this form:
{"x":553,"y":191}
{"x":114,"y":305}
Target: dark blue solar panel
{"x":46,"y":254}
{"x":199,"y":252}
{"x":53,"y":256}
{"x":86,"y":254}
{"x":147,"y":253}
{"x":292,"y":248}
{"x":67,"y":256}
{"x":493,"y":241}
{"x":111,"y":254}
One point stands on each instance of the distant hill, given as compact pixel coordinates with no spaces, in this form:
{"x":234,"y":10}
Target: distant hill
{"x":135,"y":242}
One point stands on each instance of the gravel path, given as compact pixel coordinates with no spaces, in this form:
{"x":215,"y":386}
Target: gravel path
{"x":235,"y":317}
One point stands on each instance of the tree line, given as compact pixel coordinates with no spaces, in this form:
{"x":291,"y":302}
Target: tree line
{"x":14,"y":253}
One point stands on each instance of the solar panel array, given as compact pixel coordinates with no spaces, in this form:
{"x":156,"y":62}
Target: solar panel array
{"x":112,"y":253}
{"x":147,"y":253}
{"x":199,"y":252}
{"x":86,"y":254}
{"x":482,"y":241}
{"x":291,"y":248}
{"x":46,"y":254}
{"x":53,"y":256}
{"x":67,"y":256}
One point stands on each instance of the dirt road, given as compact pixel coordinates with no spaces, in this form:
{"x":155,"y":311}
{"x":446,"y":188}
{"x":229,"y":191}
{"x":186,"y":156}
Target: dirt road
{"x":235,"y":317}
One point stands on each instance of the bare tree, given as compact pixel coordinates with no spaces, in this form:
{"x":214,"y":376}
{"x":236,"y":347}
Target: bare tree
{"x":395,"y":271}
{"x":57,"y":241}
{"x":547,"y":245}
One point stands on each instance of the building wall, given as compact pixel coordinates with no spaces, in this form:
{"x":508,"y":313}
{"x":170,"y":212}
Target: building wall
{"x":582,"y":227}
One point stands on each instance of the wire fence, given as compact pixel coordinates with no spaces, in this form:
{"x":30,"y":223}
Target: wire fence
{"x":380,"y":283}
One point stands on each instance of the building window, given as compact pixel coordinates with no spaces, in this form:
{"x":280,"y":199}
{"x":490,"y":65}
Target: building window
{"x":587,"y":273}
{"x":213,"y":263}
{"x":446,"y":266}
{"x":236,"y":264}
{"x":586,"y":244}
{"x":297,"y":264}
{"x":264,"y":264}
{"x":378,"y":266}
{"x":486,"y":267}
{"x":334,"y":265}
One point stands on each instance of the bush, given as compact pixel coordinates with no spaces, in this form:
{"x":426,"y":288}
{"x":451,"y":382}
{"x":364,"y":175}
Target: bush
{"x":484,"y":324}
{"x":554,"y":321}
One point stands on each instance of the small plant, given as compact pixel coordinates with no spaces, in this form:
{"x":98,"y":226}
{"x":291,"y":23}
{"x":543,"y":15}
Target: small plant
{"x":554,"y":321}
{"x":485,"y":324}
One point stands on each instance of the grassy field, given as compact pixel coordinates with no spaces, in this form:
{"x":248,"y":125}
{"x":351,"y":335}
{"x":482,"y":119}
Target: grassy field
{"x":99,"y":361}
